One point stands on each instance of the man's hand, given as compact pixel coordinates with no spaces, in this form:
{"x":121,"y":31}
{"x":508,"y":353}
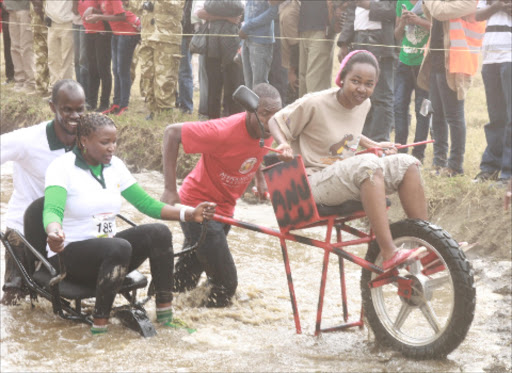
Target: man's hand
{"x":243,"y":35}
{"x":286,"y":152}
{"x":342,"y":53}
{"x":293,"y":80}
{"x":92,"y":18}
{"x":56,"y":240}
{"x":205,"y":210}
{"x":235,"y":20}
{"x":170,"y":197}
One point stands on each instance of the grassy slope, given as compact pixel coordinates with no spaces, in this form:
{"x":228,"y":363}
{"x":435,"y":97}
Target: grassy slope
{"x":471,"y":212}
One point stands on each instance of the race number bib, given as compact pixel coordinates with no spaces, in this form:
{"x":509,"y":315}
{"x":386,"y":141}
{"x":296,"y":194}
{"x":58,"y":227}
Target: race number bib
{"x":104,"y":225}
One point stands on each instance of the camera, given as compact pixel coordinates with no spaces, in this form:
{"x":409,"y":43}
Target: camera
{"x":148,"y":5}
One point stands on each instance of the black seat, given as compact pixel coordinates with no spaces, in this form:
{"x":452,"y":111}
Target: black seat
{"x":345,"y":209}
{"x":36,"y":236}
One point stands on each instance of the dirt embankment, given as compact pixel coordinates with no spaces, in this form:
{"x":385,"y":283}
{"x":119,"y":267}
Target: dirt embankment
{"x":470,"y":212}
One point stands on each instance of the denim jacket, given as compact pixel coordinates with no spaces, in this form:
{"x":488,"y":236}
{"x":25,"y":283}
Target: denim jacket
{"x":259,"y":21}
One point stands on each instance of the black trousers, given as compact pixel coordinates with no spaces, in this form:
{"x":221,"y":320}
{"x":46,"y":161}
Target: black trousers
{"x":229,"y":77}
{"x":99,"y":54}
{"x":9,"y":66}
{"x":212,"y":257}
{"x":104,"y":262}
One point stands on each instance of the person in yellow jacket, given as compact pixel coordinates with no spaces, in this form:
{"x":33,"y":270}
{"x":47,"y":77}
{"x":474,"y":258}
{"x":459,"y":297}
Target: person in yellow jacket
{"x":446,"y":72}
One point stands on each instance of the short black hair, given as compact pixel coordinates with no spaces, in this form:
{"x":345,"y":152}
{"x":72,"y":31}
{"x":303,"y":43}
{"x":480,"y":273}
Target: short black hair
{"x":64,"y":83}
{"x":267,"y":91}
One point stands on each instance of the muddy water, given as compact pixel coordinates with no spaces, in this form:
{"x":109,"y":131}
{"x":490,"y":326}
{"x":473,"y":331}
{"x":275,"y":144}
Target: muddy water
{"x":257,"y":332}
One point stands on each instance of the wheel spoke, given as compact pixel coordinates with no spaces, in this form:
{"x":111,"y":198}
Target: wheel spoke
{"x":414,"y":267}
{"x":405,"y":310}
{"x":436,"y":283}
{"x":431,"y":317}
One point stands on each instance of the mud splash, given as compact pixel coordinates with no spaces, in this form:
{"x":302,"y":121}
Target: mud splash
{"x":257,"y":332}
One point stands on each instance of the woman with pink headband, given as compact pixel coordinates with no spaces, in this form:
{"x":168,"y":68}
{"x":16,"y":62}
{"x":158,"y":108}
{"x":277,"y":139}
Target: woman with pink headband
{"x":326,"y":129}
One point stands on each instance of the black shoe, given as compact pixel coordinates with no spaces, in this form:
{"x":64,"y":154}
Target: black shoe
{"x":484,"y":176}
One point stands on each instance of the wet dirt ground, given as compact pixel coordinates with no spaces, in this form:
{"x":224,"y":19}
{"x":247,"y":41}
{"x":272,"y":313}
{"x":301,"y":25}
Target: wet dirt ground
{"x":257,"y":332}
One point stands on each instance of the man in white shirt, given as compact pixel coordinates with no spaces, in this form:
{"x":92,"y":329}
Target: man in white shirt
{"x":61,"y":55}
{"x":32,"y":149}
{"x":496,"y":161}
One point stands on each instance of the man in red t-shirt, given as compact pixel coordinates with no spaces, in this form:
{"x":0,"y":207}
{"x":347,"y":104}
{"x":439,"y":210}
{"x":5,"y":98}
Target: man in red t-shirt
{"x":230,"y":158}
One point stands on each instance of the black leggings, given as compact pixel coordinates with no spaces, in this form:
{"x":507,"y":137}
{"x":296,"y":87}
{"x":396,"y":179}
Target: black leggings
{"x":104,"y":262}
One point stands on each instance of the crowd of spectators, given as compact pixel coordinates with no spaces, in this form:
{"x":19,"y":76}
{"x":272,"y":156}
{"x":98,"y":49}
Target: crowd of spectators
{"x":420,"y":45}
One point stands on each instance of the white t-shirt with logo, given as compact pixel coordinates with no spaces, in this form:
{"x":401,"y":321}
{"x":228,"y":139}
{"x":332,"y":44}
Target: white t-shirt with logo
{"x":29,"y":150}
{"x":90,"y":207}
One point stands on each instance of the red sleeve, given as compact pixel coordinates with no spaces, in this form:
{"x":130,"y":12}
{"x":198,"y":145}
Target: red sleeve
{"x":201,"y":137}
{"x":117,"y":7}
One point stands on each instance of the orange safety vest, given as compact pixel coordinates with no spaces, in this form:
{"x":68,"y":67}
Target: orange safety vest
{"x":465,"y":41}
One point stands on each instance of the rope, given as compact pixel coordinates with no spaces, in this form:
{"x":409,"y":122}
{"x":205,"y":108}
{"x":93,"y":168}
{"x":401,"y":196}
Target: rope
{"x":262,"y":37}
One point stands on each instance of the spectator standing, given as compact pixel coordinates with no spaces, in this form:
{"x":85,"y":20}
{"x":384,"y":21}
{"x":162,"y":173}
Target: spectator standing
{"x":316,"y":46}
{"x":278,"y":75}
{"x":4,"y":29}
{"x":201,"y":73}
{"x":370,"y":25}
{"x":289,"y":12}
{"x":497,"y":77}
{"x":160,"y":53}
{"x":185,"y":76}
{"x":98,"y":37}
{"x":126,"y":28}
{"x":22,"y":52}
{"x":223,"y":17}
{"x":447,"y":71}
{"x":61,"y":54}
{"x":80,"y":50}
{"x":257,"y":33}
{"x":40,"y":32}
{"x":413,"y":30}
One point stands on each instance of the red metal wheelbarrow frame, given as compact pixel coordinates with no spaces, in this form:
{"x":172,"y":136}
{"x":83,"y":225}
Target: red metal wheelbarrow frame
{"x":296,"y":209}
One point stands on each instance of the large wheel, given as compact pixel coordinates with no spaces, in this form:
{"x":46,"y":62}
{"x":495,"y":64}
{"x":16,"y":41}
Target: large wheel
{"x":436,"y":317}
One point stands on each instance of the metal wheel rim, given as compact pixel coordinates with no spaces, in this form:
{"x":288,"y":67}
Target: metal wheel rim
{"x":391,"y":316}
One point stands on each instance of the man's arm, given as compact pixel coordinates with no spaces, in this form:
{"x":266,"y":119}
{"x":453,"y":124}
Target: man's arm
{"x":347,"y":31}
{"x":447,"y":10}
{"x":497,"y":6}
{"x":203,"y":14}
{"x":172,"y":140}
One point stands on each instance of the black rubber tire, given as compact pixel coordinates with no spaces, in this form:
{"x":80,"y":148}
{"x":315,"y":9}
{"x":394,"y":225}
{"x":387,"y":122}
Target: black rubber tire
{"x":464,"y":299}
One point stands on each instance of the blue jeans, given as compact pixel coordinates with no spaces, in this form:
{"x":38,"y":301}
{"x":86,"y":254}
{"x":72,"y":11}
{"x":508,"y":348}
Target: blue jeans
{"x":448,"y":114}
{"x":185,"y":78}
{"x":122,"y":55}
{"x":256,"y":60}
{"x":81,"y":58}
{"x":497,"y":156}
{"x":405,"y":84}
{"x":381,"y":116}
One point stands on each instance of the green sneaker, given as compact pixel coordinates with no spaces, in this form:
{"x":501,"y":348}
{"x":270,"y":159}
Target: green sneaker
{"x":179,"y":324}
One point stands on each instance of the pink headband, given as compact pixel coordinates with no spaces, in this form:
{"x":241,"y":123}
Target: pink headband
{"x":345,"y":61}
